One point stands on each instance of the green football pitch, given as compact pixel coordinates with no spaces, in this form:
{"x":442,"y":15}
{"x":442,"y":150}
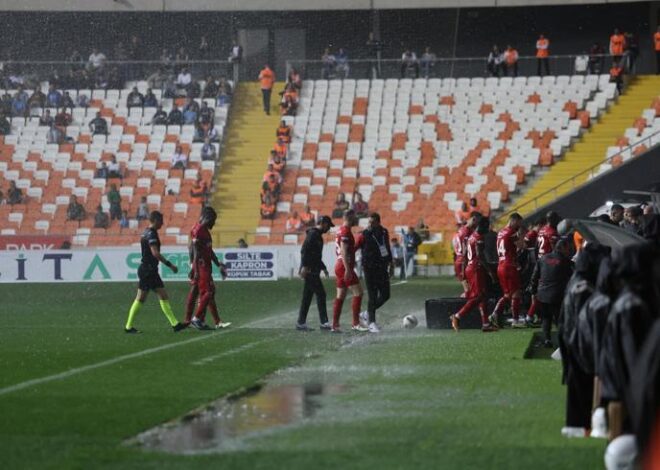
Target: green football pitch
{"x":74,"y":389}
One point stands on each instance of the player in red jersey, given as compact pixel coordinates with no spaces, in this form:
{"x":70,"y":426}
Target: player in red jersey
{"x":508,"y":243}
{"x":545,"y":243}
{"x":459,"y":242}
{"x":476,"y":273}
{"x":345,"y":274}
{"x":203,"y":256}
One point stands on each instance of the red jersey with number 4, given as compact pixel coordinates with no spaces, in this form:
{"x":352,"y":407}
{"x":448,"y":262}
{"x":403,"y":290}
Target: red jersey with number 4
{"x":202,"y":237}
{"x":547,"y":239}
{"x":472,"y":254}
{"x":345,"y":235}
{"x":460,"y":239}
{"x":507,"y":251}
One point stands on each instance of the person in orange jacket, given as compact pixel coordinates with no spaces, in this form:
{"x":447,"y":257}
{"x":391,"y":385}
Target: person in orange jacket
{"x":616,"y":74}
{"x":656,"y":44}
{"x":511,"y":61}
{"x":617,"y":45}
{"x":542,"y":53}
{"x":267,"y":79}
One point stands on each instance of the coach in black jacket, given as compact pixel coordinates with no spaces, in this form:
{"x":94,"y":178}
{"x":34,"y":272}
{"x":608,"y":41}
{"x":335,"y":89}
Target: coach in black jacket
{"x":377,"y":264}
{"x":311,"y":265}
{"x":549,"y":279}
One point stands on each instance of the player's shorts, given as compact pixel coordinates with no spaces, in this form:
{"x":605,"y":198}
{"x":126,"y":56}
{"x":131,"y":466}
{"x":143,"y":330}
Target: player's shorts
{"x":458,"y":268}
{"x":509,"y":278}
{"x":340,"y":272}
{"x":149,"y":279}
{"x":477,"y":282}
{"x":205,"y":280}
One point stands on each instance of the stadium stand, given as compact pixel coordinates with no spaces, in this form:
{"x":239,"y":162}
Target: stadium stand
{"x":418,"y":148}
{"x":49,"y":173}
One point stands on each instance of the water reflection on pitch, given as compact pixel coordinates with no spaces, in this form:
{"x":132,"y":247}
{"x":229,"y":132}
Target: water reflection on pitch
{"x":226,"y":420}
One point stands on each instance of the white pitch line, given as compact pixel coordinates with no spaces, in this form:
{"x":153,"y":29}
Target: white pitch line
{"x":126,"y":357}
{"x":230,"y":352}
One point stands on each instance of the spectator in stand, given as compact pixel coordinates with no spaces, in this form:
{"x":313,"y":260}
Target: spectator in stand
{"x":160,"y":117}
{"x":398,"y":258}
{"x":280,"y":148}
{"x":343,"y":68}
{"x":494,"y":62}
{"x":289,"y":103}
{"x":270,"y":172}
{"x":656,"y":47}
{"x":102,"y":172}
{"x":422,"y":230}
{"x":98,"y":125}
{"x":14,"y":195}
{"x":175,"y":117}
{"x":411,"y":241}
{"x":270,"y":187}
{"x":212,"y":134}
{"x":308,"y":218}
{"x":194,"y":90}
{"x":5,"y":126}
{"x":427,"y":61}
{"x":82,"y":100}
{"x":67,"y":101}
{"x":360,"y":206}
{"x":267,"y":79}
{"x":542,"y":53}
{"x":511,"y":61}
{"x":55,"y":135}
{"x":409,"y":64}
{"x":294,"y":223}
{"x":224,"y":92}
{"x":123,"y":222}
{"x":190,"y":111}
{"x":76,"y":60}
{"x":101,"y":219}
{"x":341,"y":206}
{"x":183,"y":80}
{"x":211,"y":88}
{"x":46,"y":120}
{"x":616,"y":75}
{"x":150,"y":100}
{"x":242,"y":244}
{"x":114,"y":168}
{"x":199,"y":192}
{"x":277,"y":162}
{"x":236,"y":53}
{"x":632,"y":220}
{"x":37,"y":100}
{"x":204,"y":48}
{"x":182,"y":56}
{"x":295,"y":79}
{"x":96,"y":60}
{"x":114,"y":198}
{"x":19,"y":105}
{"x":616,"y":214}
{"x":75,"y":210}
{"x":617,"y":45}
{"x":206,"y":115}
{"x":143,"y":209}
{"x":135,"y":99}
{"x":208,"y":150}
{"x":268,"y":207}
{"x":63,"y":119}
{"x":328,"y":64}
{"x":179,"y":159}
{"x":6,"y":104}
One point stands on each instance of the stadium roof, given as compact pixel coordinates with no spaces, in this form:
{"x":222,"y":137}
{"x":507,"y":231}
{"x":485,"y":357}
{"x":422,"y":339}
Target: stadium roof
{"x":278,"y":5}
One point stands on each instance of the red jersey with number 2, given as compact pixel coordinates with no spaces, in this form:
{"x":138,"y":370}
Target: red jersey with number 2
{"x":507,"y":251}
{"x":202,"y":237}
{"x":547,"y":239}
{"x":460,"y":239}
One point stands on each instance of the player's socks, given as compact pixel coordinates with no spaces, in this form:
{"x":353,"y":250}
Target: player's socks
{"x":190,"y":306}
{"x":469,"y":305}
{"x":482,"y":312}
{"x":135,"y":308}
{"x":213,"y":308}
{"x":336,"y":312}
{"x":515,"y":307}
{"x":499,"y":306}
{"x":356,"y":304}
{"x":532,"y":307}
{"x":204,"y":301}
{"x":167,"y":310}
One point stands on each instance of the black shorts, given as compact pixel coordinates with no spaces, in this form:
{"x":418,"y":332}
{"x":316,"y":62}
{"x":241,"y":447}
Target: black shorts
{"x":149,"y":279}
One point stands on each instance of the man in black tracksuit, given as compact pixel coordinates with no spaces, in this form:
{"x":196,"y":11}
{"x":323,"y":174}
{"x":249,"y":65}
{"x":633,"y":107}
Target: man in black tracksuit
{"x":311,"y":266}
{"x":377,"y":264}
{"x":549,"y":279}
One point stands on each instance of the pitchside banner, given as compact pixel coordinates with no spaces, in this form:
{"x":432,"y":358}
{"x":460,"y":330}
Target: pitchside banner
{"x":108,"y":265}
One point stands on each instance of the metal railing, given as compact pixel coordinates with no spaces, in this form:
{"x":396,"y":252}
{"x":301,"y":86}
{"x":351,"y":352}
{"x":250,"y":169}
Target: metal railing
{"x":583,"y":176}
{"x":446,"y":67}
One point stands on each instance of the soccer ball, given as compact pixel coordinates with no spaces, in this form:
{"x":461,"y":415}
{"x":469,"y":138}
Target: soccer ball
{"x":410,"y":322}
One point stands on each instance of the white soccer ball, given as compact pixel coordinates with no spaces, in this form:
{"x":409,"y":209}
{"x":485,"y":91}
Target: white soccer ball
{"x":410,"y":322}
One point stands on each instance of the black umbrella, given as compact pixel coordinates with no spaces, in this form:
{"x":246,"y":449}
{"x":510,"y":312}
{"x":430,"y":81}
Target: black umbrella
{"x":601,"y":232}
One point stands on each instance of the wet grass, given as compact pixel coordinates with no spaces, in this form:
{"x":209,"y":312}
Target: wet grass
{"x":416,"y":398}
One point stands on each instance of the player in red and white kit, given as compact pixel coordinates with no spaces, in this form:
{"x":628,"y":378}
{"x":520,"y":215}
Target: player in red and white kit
{"x":508,"y":243}
{"x":203,"y":256}
{"x":476,"y":275}
{"x":346,"y":277}
{"x":459,"y":242}
{"x":545,"y":242}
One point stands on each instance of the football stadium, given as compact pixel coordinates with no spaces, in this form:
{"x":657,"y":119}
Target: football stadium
{"x":340,"y":234}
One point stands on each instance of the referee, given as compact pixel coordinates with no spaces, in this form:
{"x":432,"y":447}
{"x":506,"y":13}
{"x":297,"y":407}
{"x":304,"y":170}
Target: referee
{"x":311,"y":266}
{"x":378,"y":266}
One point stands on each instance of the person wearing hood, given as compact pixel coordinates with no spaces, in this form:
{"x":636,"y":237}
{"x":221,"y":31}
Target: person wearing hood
{"x":579,"y":385}
{"x":629,"y":322}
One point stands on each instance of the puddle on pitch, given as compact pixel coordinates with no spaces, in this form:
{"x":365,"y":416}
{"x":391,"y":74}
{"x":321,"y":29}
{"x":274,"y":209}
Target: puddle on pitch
{"x":228,"y":420}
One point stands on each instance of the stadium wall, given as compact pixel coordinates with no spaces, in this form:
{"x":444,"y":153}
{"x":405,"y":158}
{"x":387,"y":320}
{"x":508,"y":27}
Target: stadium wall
{"x":640,"y":173}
